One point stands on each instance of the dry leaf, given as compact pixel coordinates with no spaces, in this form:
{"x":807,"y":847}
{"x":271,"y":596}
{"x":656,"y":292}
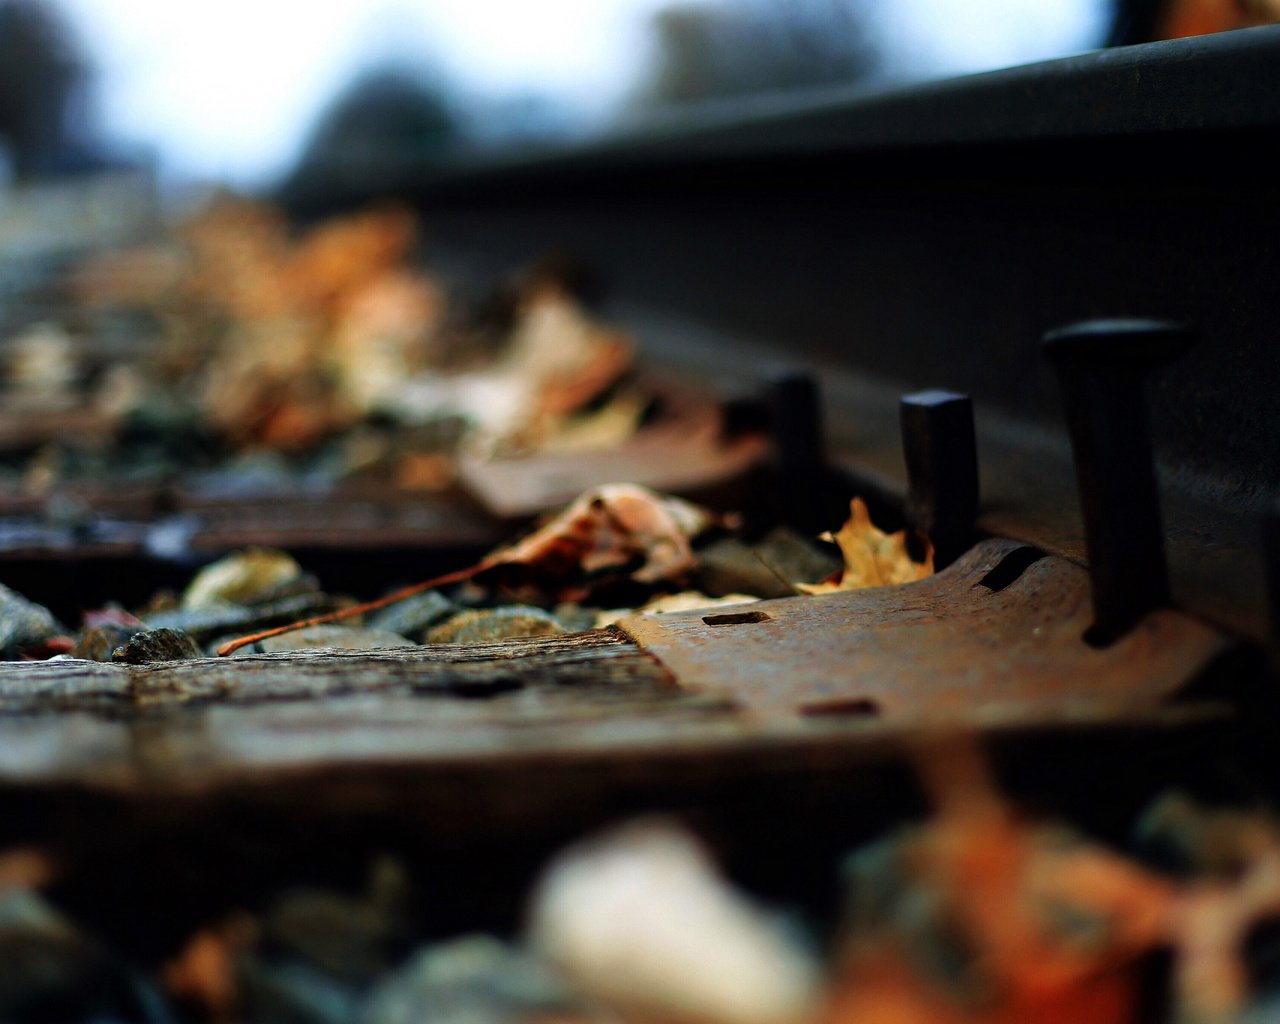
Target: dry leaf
{"x":424,"y":471}
{"x":872,"y":558}
{"x":340,"y":256}
{"x":1051,"y":925}
{"x":685,"y":601}
{"x":557,"y":361}
{"x":641,"y":920}
{"x":605,"y":428}
{"x":25,"y":867}
{"x":284,"y":342}
{"x":381,"y":336}
{"x":1210,"y":925}
{"x":204,"y":970}
{"x":610,"y":533}
{"x":616,"y":528}
{"x":111,"y":615}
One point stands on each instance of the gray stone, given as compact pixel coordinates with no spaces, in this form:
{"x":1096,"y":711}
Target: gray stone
{"x":795,"y":558}
{"x":471,"y":980}
{"x":99,"y":643}
{"x":251,"y":576}
{"x":222,"y":618}
{"x":352,"y":939}
{"x":484,"y":625}
{"x":1265,"y":1009}
{"x":293,"y":993}
{"x":768,"y":568}
{"x":146,"y":646}
{"x":23,"y":622}
{"x":729,"y":566}
{"x":413,"y":616}
{"x":574,"y":617}
{"x":343,"y":638}
{"x":50,"y":971}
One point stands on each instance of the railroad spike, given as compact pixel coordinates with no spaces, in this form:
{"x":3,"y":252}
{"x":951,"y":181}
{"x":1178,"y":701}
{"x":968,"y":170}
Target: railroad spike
{"x":796,"y":407}
{"x":1271,"y":566}
{"x":1101,"y":367}
{"x":941,"y":453}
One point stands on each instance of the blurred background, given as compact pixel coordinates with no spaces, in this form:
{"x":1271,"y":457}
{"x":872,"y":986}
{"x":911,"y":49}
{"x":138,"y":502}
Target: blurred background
{"x":241,"y":91}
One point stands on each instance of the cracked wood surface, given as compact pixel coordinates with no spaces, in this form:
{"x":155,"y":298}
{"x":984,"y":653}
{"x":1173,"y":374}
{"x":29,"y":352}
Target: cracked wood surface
{"x":600,"y":658}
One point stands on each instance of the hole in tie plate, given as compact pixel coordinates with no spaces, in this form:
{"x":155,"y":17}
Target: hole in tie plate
{"x":1099,"y":637}
{"x":736,"y":618}
{"x":1008,"y":570}
{"x":845,"y":707}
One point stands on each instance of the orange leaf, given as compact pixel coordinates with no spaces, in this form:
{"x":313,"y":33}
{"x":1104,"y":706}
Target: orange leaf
{"x":872,"y":558}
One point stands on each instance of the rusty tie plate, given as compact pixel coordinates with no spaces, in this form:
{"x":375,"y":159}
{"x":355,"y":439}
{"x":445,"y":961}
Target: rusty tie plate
{"x":991,"y":638}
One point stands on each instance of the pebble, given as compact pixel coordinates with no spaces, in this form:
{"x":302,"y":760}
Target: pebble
{"x":575,"y":617}
{"x":475,"y":979}
{"x":1190,"y":839}
{"x":99,"y":644}
{"x":221,"y":618}
{"x":482,"y":625}
{"x":796,"y":558}
{"x":353,"y":939}
{"x":246,"y":577}
{"x":112,"y":614}
{"x":413,"y":616}
{"x":766,"y":568}
{"x":24,"y":623}
{"x":293,"y":993}
{"x":642,"y":921}
{"x":907,"y":891}
{"x":52,"y":972}
{"x":728,"y":566}
{"x":667,"y":604}
{"x":342,"y":638}
{"x":1264,"y":1010}
{"x":884,"y":894}
{"x":151,"y":645}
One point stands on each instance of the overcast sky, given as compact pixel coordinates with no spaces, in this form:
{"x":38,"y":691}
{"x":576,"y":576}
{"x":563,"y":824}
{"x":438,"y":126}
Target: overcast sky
{"x":227,"y":88}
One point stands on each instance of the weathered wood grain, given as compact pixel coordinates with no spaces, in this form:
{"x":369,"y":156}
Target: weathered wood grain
{"x":600,"y":659}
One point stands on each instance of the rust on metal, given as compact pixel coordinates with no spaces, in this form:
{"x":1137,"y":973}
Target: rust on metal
{"x":976,"y":643}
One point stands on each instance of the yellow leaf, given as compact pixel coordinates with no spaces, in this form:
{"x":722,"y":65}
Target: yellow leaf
{"x":872,"y":558}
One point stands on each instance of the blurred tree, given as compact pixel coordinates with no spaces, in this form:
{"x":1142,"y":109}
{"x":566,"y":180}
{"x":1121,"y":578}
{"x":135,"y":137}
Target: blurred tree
{"x":43,"y":86}
{"x":384,"y":125}
{"x":708,"y":51}
{"x":1136,"y":21}
{"x":385,"y":115}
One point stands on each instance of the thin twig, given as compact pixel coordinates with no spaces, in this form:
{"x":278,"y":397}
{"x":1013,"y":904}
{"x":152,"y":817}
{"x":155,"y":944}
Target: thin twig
{"x":457,"y":576}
